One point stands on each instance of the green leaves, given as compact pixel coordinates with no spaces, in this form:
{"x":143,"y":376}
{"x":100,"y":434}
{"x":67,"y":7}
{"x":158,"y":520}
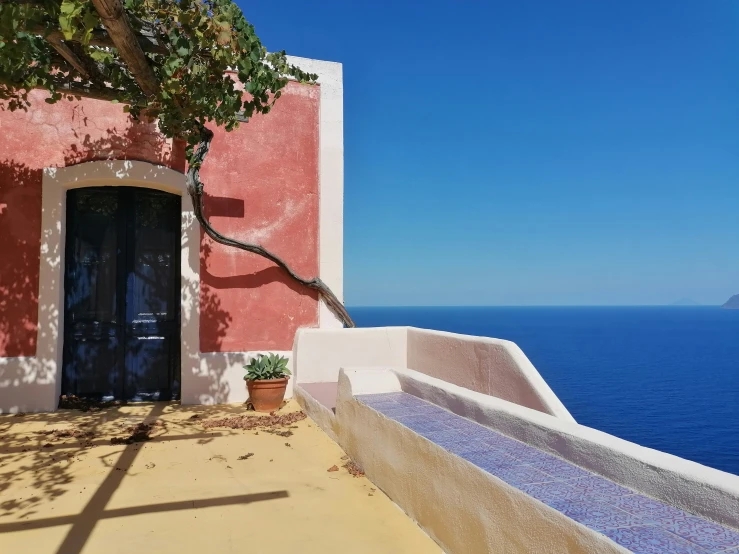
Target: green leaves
{"x":267,"y":366}
{"x":78,"y":16}
{"x":104,"y":56}
{"x":200,"y":45}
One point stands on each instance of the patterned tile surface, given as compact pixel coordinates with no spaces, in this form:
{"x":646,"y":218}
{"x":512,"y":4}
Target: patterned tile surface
{"x":638,"y":523}
{"x":652,"y":540}
{"x":597,"y":515}
{"x":704,"y":533}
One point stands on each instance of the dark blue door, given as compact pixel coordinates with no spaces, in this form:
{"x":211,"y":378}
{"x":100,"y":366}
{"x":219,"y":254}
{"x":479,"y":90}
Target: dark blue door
{"x":122,"y":294}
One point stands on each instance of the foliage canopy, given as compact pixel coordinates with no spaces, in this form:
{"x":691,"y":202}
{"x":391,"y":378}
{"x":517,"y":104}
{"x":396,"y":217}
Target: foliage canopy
{"x":183,"y":62}
{"x":194,"y":48}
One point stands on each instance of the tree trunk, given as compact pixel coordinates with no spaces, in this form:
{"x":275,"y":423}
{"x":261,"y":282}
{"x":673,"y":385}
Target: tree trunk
{"x":195,"y":189}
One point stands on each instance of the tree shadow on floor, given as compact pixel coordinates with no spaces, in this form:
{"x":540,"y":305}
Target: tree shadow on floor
{"x":40,"y":451}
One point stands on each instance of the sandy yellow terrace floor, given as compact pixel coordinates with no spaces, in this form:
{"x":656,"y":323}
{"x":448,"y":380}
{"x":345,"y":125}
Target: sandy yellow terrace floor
{"x":186,"y":490}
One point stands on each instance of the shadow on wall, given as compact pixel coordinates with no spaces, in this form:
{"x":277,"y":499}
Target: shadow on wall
{"x":25,"y":378}
{"x":208,"y":385}
{"x":218,"y":206}
{"x":27,"y":375}
{"x":139,"y":141}
{"x":20,"y":226}
{"x":270,"y":301}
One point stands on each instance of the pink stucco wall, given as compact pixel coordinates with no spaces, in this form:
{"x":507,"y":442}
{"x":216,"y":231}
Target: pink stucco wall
{"x":262,"y":184}
{"x":266,"y":191}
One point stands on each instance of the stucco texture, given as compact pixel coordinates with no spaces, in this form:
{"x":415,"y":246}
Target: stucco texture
{"x":263,"y":183}
{"x":64,"y":134}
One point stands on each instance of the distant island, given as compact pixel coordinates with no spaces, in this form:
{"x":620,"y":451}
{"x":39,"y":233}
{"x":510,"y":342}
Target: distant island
{"x":732,"y":303}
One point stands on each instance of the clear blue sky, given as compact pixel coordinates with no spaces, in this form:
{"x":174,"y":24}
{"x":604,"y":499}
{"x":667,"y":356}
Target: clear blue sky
{"x":532,"y":152}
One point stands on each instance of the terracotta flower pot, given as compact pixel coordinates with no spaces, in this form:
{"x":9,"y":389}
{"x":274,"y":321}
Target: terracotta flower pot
{"x":266,"y":395}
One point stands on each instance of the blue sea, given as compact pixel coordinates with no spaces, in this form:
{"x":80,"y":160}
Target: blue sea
{"x":662,"y":377}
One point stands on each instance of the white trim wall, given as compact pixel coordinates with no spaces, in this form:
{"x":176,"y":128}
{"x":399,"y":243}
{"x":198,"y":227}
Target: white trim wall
{"x":331,"y":180}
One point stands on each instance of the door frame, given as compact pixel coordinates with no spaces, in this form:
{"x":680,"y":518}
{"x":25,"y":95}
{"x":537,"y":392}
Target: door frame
{"x":55,"y":184}
{"x":124,"y":226}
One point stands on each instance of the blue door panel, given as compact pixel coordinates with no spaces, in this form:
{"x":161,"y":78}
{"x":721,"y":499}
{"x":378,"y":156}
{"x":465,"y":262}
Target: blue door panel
{"x":122,"y":290}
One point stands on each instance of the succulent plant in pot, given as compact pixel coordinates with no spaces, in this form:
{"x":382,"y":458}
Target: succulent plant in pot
{"x":266,"y":380}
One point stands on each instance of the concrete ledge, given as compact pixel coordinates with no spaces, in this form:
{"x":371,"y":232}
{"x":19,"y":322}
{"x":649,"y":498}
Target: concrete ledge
{"x":464,"y":509}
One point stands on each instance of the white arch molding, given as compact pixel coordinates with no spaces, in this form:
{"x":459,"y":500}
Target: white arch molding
{"x":55,"y":184}
{"x":206,"y":377}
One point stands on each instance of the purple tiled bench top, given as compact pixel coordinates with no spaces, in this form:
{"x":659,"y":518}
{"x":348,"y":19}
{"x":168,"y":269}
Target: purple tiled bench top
{"x":638,"y":523}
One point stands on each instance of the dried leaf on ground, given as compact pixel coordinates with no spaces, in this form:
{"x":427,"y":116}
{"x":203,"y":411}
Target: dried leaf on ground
{"x":287,"y":433}
{"x":353,"y":469}
{"x":137,"y":433}
{"x":246,"y":456}
{"x":66,"y":433}
{"x":253,"y":422}
{"x":72,"y":402}
{"x":333,"y":468}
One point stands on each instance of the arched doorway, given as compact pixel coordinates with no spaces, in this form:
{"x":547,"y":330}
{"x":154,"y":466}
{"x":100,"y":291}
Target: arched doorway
{"x":122,"y":294}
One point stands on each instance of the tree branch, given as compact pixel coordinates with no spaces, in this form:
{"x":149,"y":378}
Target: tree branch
{"x":86,"y":91}
{"x":146,"y":36}
{"x":100,"y":37}
{"x":75,"y":55}
{"x":95,"y":69}
{"x":195,"y":189}
{"x":114,"y":18}
{"x":66,"y":52}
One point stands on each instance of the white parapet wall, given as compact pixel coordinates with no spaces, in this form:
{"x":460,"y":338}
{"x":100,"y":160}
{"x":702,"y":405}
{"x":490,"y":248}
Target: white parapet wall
{"x":489,"y":366}
{"x":318,"y":354}
{"x":489,"y":381}
{"x":466,"y":509}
